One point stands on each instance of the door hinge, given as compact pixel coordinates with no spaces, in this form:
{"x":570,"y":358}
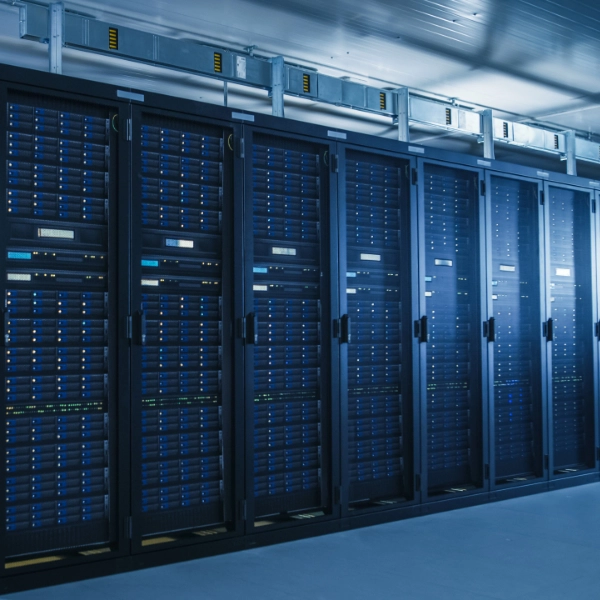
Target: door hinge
{"x":482,"y":187}
{"x":546,"y":462}
{"x":129,"y":528}
{"x":335,"y":163}
{"x":593,"y":205}
{"x":241,"y":148}
{"x":486,"y":471}
{"x":337,"y":494}
{"x":417,"y":482}
{"x":129,"y":327}
{"x":243,"y":510}
{"x":129,"y":130}
{"x":415,"y":177}
{"x":542,"y":197}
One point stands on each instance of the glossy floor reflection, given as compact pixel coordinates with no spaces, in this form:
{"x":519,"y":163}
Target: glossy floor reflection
{"x":545,"y":546}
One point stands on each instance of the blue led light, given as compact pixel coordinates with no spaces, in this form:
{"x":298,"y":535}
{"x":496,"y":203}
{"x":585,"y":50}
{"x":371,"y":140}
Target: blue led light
{"x":149,"y":263}
{"x":262,"y":270}
{"x":20,"y":255}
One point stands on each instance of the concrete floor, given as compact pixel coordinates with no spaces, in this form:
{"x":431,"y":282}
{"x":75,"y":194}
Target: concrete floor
{"x":539,"y":547}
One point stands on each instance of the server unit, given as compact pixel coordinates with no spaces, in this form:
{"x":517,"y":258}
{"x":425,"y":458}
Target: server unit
{"x":376,"y":390}
{"x":59,"y":325}
{"x":181,"y":306}
{"x":286,"y":328}
{"x":451,"y":329}
{"x":569,"y":329}
{"x":515,"y":273}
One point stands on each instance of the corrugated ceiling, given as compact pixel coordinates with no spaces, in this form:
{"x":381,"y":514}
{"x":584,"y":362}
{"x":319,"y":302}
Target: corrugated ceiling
{"x":536,"y":58}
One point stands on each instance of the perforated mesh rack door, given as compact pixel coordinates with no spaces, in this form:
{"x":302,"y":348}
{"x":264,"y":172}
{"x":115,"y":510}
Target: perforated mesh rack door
{"x":375,"y":208}
{"x":452,"y":287}
{"x":178,"y":312}
{"x":59,"y":346}
{"x":570,"y":290}
{"x":289,"y":399}
{"x":515,"y":289}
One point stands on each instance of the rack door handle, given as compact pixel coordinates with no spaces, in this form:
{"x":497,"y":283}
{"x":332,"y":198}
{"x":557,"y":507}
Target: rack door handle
{"x":421,"y":329}
{"x":489,"y":329}
{"x":141,"y":327}
{"x":5,"y":337}
{"x":252,"y":328}
{"x":345,"y":329}
{"x":549,"y":330}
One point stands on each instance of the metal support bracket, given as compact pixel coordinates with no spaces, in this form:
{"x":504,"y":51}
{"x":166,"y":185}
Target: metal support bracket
{"x":278,"y":87}
{"x":571,"y":153}
{"x":487,"y":121}
{"x":402,"y":109}
{"x":56,"y":30}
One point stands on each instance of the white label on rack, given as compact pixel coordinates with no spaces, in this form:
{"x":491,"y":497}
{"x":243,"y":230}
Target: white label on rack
{"x":484,"y":163}
{"x":150,"y":282}
{"x":416,"y":149}
{"x":428,"y":279}
{"x":351,"y":291}
{"x":261,"y":270}
{"x":260,"y":288}
{"x":543,"y":174}
{"x":337,"y":134}
{"x":61,"y":234}
{"x":373,"y":257}
{"x":18,"y":277}
{"x":350,"y":274}
{"x":240,"y":67}
{"x":563,"y":272}
{"x":179,"y":243}
{"x":494,"y":297}
{"x":284,"y":251}
{"x":509,"y":268}
{"x":428,"y":294}
{"x":443,"y":262}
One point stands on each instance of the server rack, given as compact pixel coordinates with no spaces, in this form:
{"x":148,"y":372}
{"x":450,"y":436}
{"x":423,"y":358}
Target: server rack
{"x":286,"y":328}
{"x":454,"y":409}
{"x":515,"y":281}
{"x":569,"y":329}
{"x":183,"y":401}
{"x":60,"y":338}
{"x":376,"y":393}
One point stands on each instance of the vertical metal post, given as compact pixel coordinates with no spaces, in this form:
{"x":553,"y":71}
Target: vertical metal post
{"x":55,"y":36}
{"x":277,"y":85}
{"x":487,"y":121}
{"x":402,"y":111}
{"x":225,"y":93}
{"x":571,"y":153}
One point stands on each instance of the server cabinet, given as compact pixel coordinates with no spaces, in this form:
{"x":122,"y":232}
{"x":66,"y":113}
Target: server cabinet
{"x":287,"y":328}
{"x":182,"y":399}
{"x":451,"y":329}
{"x":515,"y":278}
{"x":569,"y":329}
{"x":376,"y":328}
{"x":59,"y":319}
